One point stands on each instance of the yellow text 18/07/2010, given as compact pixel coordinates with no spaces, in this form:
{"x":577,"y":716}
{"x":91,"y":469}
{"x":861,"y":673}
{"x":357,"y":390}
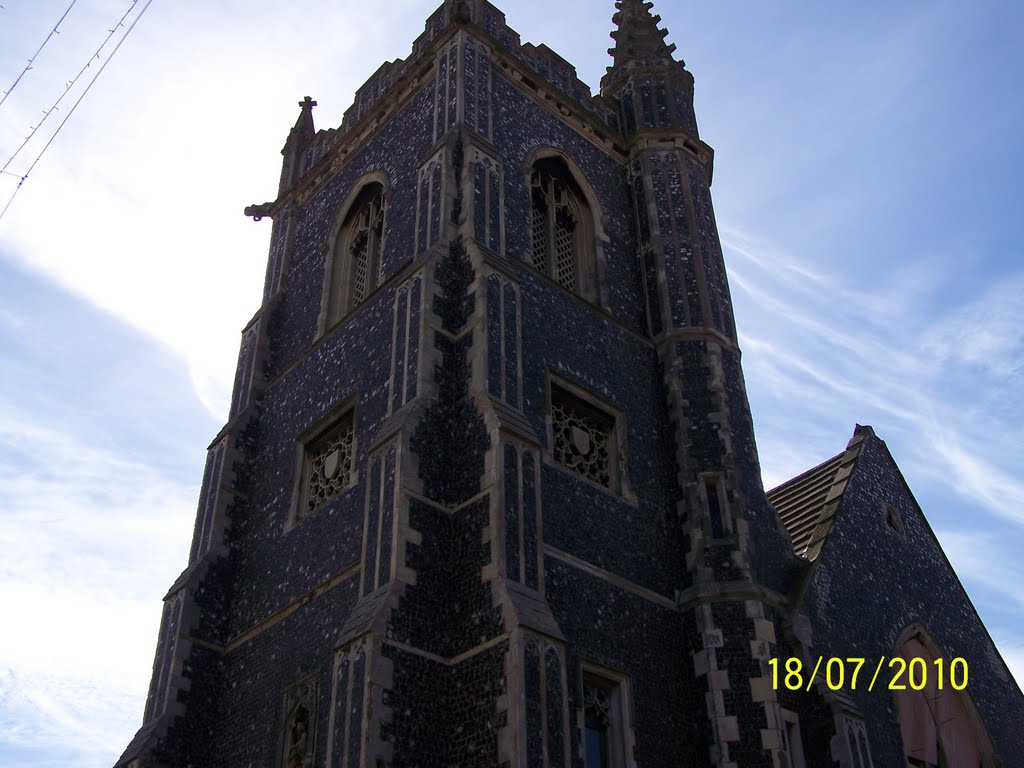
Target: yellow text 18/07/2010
{"x":838,"y":673}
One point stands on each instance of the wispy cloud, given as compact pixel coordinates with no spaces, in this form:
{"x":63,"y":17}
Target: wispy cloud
{"x":986,"y":333}
{"x":81,"y":593}
{"x":97,"y":495}
{"x":974,"y":476}
{"x":11,"y":320}
{"x":831,"y":347}
{"x":986,"y":559}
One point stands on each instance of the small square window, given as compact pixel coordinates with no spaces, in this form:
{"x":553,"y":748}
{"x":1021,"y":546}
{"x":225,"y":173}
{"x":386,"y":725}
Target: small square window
{"x":327,"y":465}
{"x":605,"y":726}
{"x":583,"y":438}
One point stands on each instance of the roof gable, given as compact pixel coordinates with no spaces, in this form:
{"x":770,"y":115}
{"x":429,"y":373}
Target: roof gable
{"x":808,"y":503}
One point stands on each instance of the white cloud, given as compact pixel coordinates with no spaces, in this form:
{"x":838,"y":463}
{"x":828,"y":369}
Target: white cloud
{"x":81,"y":594}
{"x":151,"y":175}
{"x":986,"y":333}
{"x":830,"y":348}
{"x":51,"y":720}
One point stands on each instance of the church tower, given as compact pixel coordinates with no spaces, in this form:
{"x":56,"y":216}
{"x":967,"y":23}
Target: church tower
{"x":488,"y":493}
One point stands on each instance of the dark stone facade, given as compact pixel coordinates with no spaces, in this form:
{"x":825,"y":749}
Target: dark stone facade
{"x":465,"y":598}
{"x":872,"y":616}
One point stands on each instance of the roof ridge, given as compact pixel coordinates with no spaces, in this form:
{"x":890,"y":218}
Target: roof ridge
{"x":803,"y":474}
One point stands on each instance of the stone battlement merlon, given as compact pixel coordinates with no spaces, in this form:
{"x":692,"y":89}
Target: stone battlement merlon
{"x":375,"y":87}
{"x":545,"y":62}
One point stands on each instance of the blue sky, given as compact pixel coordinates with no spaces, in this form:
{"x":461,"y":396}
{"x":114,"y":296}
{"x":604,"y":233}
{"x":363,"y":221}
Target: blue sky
{"x":867,"y":189}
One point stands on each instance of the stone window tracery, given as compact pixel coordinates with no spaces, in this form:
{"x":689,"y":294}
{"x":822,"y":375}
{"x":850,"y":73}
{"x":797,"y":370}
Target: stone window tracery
{"x":329,"y":461}
{"x":357,"y":266}
{"x":583,"y":437}
{"x":299,"y":738}
{"x":605,"y":721}
{"x":597,"y":723}
{"x":857,"y":744}
{"x":560,"y":240}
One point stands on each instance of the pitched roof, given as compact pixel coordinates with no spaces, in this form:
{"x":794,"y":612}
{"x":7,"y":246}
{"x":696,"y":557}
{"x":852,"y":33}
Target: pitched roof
{"x":808,"y":503}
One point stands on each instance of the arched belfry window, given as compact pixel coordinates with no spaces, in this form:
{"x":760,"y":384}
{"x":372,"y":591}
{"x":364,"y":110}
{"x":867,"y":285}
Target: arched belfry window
{"x":561,"y":224}
{"x":356,"y":263}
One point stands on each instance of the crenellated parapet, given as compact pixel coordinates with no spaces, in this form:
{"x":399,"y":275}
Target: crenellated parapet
{"x":493,"y":44}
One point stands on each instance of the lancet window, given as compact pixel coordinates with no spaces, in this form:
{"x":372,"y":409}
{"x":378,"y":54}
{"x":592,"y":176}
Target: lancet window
{"x":560,"y":227}
{"x":598,"y":724}
{"x":792,"y":743}
{"x":356,"y":267}
{"x":605,"y":724}
{"x":298,"y":746}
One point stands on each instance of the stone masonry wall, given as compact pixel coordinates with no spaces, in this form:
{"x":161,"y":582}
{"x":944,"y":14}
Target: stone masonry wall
{"x":870,"y":584}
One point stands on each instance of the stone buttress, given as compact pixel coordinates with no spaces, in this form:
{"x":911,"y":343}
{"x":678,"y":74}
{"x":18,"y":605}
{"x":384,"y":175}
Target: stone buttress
{"x":737,"y":560}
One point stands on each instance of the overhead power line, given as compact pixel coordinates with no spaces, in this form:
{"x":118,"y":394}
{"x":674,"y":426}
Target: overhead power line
{"x":28,"y":66}
{"x":84,"y":92}
{"x":69,"y":86}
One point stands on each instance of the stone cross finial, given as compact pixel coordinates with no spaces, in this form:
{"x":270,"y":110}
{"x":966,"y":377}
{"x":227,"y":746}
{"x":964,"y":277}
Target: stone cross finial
{"x":299,"y":137}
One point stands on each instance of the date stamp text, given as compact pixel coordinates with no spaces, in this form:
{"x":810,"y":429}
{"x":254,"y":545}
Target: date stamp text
{"x":852,"y":673}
